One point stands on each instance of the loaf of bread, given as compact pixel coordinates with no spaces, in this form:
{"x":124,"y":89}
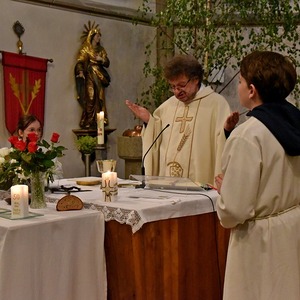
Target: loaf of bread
{"x":69,"y":202}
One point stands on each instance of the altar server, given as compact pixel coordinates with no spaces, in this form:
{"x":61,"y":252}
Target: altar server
{"x":260,"y":185}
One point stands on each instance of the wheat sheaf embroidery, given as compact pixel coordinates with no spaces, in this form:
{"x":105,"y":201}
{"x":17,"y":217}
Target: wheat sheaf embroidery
{"x":184,"y":138}
{"x":33,"y":91}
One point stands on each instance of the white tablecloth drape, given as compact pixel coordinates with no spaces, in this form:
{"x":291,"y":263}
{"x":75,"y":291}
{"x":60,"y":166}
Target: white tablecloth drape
{"x":59,"y":255}
{"x":136,"y":207}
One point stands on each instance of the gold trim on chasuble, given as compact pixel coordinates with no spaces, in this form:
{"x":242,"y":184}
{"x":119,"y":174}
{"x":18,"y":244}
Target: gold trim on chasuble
{"x":175,"y":168}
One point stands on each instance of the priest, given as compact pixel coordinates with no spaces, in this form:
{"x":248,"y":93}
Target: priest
{"x":192,"y":145}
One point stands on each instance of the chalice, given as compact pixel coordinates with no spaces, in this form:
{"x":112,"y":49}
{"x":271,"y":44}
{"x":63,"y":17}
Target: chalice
{"x":105,"y":165}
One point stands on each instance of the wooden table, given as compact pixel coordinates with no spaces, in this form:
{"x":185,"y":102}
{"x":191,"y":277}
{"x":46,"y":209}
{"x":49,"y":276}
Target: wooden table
{"x":182,"y":258}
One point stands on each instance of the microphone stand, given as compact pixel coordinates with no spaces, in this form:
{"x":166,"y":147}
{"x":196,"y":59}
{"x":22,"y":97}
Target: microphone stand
{"x":142,"y":185}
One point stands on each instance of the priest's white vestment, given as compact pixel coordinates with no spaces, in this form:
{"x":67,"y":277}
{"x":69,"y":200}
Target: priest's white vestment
{"x":192,"y":146}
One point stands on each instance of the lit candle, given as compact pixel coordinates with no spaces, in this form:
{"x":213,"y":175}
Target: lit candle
{"x":109,"y":186}
{"x":19,"y":201}
{"x":100,"y":127}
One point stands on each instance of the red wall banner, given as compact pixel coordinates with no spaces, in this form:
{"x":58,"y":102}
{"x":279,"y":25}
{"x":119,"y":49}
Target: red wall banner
{"x":24,"y":87}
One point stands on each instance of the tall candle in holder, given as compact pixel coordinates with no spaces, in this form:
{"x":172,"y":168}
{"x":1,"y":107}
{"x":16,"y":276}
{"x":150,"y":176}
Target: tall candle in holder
{"x":109,"y":186}
{"x":19,"y":201}
{"x":100,"y":127}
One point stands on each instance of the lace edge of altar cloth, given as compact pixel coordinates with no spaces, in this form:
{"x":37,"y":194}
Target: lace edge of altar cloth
{"x":123,"y":216}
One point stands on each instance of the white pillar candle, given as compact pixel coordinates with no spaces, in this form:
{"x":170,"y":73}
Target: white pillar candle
{"x":109,"y":186}
{"x":19,"y":201}
{"x":100,"y":127}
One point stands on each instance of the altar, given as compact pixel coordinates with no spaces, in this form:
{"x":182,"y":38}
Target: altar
{"x":160,"y":244}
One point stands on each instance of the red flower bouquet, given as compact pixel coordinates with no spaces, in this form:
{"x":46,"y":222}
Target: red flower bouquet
{"x":33,"y":155}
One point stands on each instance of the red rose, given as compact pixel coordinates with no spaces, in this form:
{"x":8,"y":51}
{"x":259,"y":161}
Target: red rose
{"x":55,"y":137}
{"x":32,"y":147}
{"x":32,"y":137}
{"x":13,"y":139}
{"x":20,"y":145}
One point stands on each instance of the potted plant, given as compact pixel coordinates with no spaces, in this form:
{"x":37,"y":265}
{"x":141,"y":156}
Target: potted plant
{"x":87,"y":145}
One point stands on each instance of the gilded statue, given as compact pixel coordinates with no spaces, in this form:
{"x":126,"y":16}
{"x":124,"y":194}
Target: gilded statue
{"x":91,"y":77}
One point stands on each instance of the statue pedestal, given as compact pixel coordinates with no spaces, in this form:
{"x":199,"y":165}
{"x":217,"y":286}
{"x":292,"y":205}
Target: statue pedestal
{"x":130,"y":149}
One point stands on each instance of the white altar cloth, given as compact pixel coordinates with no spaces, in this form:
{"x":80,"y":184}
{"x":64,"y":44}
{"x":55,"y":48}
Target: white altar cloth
{"x":136,"y":207}
{"x":59,"y":255}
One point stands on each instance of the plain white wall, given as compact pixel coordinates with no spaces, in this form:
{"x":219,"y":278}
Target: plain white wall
{"x":54,"y":33}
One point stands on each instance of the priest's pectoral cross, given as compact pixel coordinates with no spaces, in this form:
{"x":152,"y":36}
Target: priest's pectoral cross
{"x":184,"y":119}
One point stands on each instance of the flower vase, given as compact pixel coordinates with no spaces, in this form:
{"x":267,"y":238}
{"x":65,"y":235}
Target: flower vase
{"x":37,"y":186}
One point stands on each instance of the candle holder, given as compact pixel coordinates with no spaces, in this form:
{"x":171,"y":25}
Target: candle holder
{"x":101,"y":152}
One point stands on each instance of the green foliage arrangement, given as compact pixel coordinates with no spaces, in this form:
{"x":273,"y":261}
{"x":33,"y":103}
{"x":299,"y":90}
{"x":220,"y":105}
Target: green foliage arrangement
{"x":218,"y":33}
{"x":86,"y":144}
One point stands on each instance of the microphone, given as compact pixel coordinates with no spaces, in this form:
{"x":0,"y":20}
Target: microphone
{"x":143,"y":159}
